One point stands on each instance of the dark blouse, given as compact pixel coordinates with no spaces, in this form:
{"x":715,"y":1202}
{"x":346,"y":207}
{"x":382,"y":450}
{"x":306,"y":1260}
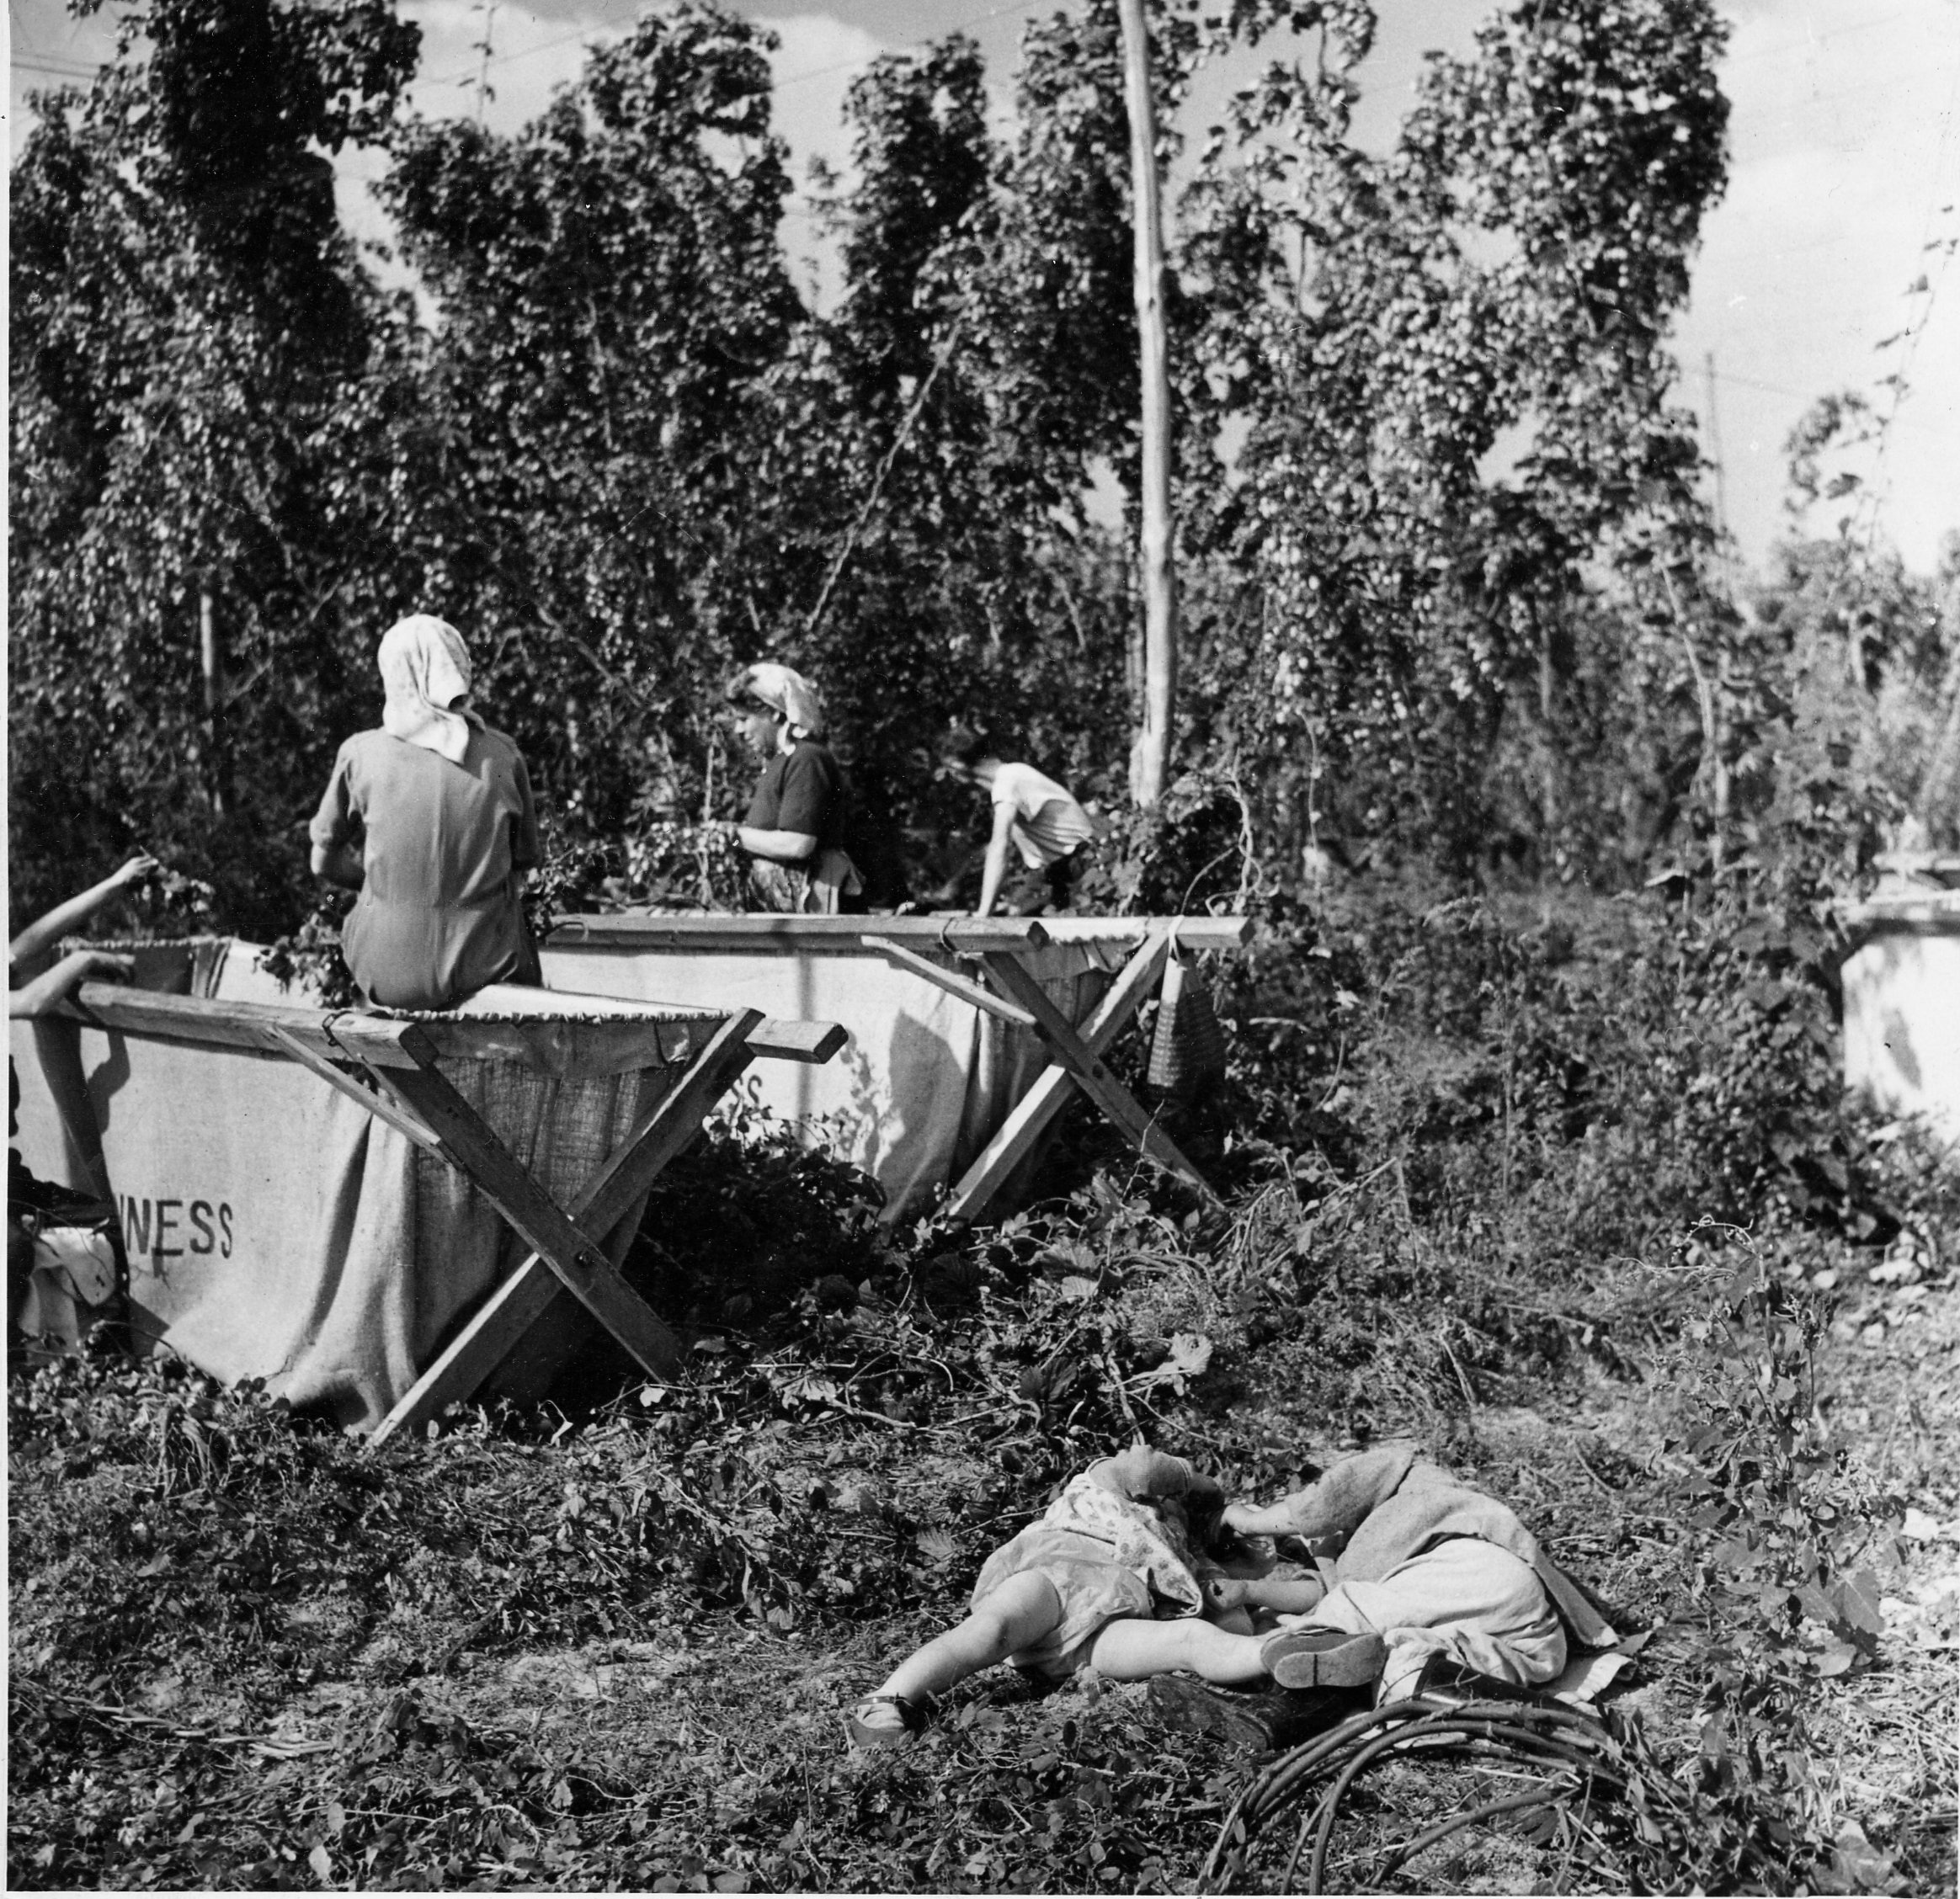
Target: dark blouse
{"x":804,"y":790}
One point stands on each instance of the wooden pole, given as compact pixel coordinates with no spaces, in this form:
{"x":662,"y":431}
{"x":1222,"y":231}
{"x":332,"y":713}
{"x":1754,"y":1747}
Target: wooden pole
{"x":1547,"y":696}
{"x":1715,"y":453}
{"x":211,"y":663}
{"x":1150,"y":762}
{"x":483,"y":71}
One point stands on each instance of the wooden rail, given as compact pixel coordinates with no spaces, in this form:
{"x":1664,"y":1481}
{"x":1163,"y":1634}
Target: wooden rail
{"x":627,"y":930}
{"x":958,"y":934}
{"x":382,"y":1041}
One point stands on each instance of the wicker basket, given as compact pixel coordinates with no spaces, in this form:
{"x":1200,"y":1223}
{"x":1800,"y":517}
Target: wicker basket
{"x":177,"y":965}
{"x":1188,"y":1051}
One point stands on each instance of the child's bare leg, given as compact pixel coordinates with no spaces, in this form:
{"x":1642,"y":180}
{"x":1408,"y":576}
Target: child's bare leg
{"x":1017,"y":1614}
{"x":1132,"y":1649}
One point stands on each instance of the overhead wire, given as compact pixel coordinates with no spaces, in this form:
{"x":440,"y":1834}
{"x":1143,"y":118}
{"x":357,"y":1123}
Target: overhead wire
{"x":42,"y":62}
{"x":58,"y":65}
{"x":776,"y":85}
{"x":1807,"y":396}
{"x":465,"y":76}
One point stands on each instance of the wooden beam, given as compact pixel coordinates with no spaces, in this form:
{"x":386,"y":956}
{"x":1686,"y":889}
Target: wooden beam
{"x":1150,"y":760}
{"x":961,"y":934}
{"x":1091,"y":1076}
{"x":811,"y":1042}
{"x":113,"y":1005}
{"x":313,"y":1036}
{"x":1193,"y":933}
{"x":379,"y":1041}
{"x":381,"y":1106}
{"x":952,"y":981}
{"x":1025,"y":1126}
{"x":511,"y":1308}
{"x":966,"y":935}
{"x":515,"y":1305}
{"x":471,"y":1144}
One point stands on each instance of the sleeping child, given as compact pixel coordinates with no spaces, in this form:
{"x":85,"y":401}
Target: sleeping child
{"x":1123,"y":1571}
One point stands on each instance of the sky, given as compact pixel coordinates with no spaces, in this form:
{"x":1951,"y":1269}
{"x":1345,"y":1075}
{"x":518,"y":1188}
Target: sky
{"x":1836,"y":232}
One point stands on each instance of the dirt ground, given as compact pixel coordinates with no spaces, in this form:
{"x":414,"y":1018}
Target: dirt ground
{"x":391,"y":1732}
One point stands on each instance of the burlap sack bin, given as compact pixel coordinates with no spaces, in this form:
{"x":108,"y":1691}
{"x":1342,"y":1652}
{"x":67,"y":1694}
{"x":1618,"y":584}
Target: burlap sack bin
{"x":272,"y":1229}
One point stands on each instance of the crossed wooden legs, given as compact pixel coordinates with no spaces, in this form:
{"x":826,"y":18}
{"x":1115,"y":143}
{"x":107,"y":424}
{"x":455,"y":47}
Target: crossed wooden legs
{"x":1075,"y":1063}
{"x":424,"y":1105}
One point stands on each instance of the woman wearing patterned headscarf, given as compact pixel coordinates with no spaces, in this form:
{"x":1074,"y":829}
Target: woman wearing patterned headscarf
{"x":431,"y":819}
{"x":794,"y":831}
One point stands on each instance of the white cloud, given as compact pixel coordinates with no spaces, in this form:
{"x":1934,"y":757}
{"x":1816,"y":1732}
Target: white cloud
{"x":817,"y":60}
{"x":1843,"y":148}
{"x":530,"y":56}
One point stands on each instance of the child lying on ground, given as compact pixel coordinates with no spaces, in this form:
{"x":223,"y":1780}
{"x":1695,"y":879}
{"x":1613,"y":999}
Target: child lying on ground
{"x":1120,"y":1573}
{"x":1434,"y":1567}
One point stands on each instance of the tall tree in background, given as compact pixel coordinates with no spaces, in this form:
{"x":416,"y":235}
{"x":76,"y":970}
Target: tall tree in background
{"x":1505,"y":272}
{"x":185,"y":312}
{"x":923,"y":163}
{"x":984,"y":349}
{"x":921,"y":557}
{"x":1438,"y":527}
{"x":585,"y":475}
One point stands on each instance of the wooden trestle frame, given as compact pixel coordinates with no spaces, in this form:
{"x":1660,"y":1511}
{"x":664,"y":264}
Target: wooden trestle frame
{"x":995,"y":946}
{"x":1075,"y":1050}
{"x":389,"y":1067}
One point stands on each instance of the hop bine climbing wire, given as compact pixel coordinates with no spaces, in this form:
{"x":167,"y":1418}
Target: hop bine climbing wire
{"x":1602,"y":1799}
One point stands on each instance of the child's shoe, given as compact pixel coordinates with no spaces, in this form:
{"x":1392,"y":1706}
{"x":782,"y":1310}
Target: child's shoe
{"x":885,"y":1720}
{"x":1323,"y":1659}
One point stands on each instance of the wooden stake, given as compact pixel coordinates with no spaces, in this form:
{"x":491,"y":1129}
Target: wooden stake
{"x":1150,"y":762}
{"x":211,"y":665}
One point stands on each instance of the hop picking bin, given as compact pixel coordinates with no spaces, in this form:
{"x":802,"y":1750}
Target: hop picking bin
{"x":374,"y":1211}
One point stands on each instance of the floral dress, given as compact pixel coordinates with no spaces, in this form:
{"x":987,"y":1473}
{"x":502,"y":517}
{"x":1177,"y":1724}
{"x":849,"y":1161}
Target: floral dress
{"x":1116,"y":1542}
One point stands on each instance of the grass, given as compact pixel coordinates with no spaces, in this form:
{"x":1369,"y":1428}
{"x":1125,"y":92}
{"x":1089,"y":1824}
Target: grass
{"x":612,"y":1647}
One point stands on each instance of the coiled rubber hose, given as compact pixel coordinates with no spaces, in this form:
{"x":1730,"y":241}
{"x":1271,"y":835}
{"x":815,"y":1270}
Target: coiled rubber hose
{"x":1582,"y":1759}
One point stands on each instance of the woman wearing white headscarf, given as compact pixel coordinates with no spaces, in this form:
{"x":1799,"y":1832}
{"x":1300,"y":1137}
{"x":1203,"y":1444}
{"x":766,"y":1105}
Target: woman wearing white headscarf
{"x":431,"y":819}
{"x":795,"y":829}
